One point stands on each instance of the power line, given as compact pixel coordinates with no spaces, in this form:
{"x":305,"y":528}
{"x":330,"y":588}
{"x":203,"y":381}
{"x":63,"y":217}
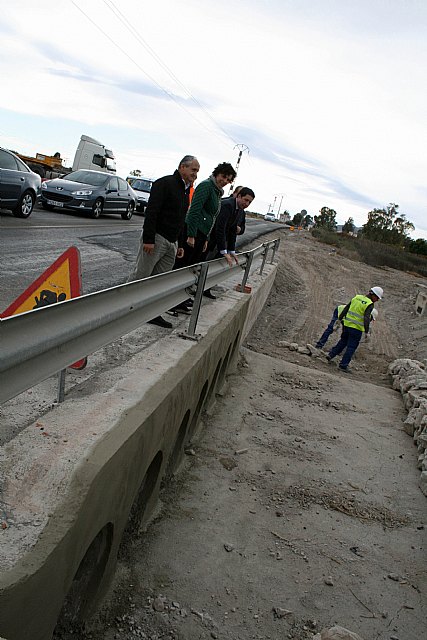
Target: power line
{"x":128,"y":25}
{"x":170,"y":95}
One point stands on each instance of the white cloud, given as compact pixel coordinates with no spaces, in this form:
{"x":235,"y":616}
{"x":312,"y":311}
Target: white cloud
{"x":330,"y":97}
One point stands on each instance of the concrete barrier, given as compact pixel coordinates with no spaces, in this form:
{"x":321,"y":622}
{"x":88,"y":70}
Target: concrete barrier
{"x":73,"y":486}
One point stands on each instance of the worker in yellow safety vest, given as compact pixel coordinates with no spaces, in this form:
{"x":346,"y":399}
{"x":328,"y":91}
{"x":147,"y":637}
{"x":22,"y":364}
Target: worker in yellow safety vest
{"x":331,"y":327}
{"x":355,"y":317}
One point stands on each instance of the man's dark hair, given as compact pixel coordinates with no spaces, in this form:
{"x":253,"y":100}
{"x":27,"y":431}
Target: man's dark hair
{"x":245,"y":191}
{"x":226,"y":169}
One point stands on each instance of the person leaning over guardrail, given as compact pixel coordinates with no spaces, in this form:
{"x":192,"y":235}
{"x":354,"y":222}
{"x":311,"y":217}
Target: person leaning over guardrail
{"x":200,"y":219}
{"x":222,"y":241}
{"x":164,"y":220}
{"x":241,"y":223}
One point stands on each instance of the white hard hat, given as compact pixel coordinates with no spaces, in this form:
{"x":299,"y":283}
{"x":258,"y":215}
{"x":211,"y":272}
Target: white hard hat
{"x":378,"y":292}
{"x":374,"y":314}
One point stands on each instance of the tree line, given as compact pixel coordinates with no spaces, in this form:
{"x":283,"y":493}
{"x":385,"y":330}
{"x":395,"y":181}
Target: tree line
{"x":386,"y":225}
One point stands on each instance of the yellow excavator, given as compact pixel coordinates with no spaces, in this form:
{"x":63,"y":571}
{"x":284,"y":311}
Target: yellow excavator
{"x":45,"y":166}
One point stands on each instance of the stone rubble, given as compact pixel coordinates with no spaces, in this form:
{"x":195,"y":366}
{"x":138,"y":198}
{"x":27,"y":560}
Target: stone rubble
{"x":410,"y":378}
{"x":308,"y":349}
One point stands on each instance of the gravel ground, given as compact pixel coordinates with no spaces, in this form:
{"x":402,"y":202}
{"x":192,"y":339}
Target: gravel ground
{"x":297,"y":507}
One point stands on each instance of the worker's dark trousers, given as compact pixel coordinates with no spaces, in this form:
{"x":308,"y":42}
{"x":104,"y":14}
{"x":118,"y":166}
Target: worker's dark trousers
{"x":349,"y":341}
{"x":329,"y":329}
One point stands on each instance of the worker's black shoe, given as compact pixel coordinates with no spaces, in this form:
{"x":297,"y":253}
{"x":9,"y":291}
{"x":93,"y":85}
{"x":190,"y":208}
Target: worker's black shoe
{"x":328,"y":359}
{"x":208,"y":294}
{"x":345,"y":369}
{"x":161,"y":322}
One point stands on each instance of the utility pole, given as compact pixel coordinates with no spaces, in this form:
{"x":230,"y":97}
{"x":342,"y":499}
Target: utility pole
{"x":242,"y":148}
{"x":280,"y":203}
{"x":274,"y":203}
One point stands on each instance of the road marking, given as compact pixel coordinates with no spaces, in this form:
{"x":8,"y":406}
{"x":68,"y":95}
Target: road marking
{"x":64,"y":226}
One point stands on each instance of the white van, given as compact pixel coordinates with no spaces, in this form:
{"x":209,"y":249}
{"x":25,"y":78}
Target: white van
{"x":142,"y":188}
{"x":91,"y":154}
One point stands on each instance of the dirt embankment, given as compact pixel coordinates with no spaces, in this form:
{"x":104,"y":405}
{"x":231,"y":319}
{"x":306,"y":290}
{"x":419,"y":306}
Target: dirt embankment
{"x":298,"y":506}
{"x":312,"y":280}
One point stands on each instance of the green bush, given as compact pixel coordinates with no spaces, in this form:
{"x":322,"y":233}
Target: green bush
{"x":326,"y":236}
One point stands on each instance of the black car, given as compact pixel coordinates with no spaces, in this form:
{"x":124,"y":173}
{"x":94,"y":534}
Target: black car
{"x":19,"y":186}
{"x":93,"y":192}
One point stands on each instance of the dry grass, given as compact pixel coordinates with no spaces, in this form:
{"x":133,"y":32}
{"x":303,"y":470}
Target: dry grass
{"x":374,"y":253}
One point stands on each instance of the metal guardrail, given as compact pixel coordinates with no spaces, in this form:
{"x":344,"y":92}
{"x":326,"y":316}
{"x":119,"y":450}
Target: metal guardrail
{"x":39,"y":343}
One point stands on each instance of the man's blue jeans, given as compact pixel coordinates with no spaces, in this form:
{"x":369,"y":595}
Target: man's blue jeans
{"x":349,"y":341}
{"x":329,"y":329}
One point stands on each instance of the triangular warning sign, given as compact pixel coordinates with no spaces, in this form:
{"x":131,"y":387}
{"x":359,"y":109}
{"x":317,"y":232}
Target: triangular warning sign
{"x":61,"y":281}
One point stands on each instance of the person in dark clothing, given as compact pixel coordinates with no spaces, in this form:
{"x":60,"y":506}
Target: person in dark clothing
{"x":164,"y":219}
{"x":222,"y":242}
{"x":241,"y":222}
{"x":332,"y":326}
{"x":223,"y":237}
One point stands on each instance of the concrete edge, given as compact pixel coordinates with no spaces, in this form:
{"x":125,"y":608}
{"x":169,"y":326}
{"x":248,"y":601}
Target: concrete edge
{"x":71,"y":498}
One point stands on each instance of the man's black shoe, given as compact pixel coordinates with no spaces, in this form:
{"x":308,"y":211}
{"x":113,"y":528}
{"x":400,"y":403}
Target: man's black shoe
{"x":161,"y":322}
{"x":183,"y":308}
{"x":345,"y":369}
{"x":208,"y":294}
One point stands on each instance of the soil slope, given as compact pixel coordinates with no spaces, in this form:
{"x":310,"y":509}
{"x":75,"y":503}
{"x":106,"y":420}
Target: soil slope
{"x":297,"y":507}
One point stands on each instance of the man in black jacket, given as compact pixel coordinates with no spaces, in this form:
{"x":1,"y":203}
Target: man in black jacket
{"x":222,"y":243}
{"x":164,"y":219}
{"x":223,"y":237}
{"x":241,"y":223}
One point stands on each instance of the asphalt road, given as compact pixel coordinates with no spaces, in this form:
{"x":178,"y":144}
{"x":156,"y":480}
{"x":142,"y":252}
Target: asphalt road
{"x":108,"y":248}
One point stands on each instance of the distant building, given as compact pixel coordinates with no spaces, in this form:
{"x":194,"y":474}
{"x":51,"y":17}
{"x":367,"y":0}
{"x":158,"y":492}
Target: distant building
{"x":353,"y":233}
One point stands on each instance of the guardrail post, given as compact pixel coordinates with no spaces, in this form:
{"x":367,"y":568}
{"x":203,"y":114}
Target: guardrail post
{"x":264,"y":258}
{"x":247,"y":271}
{"x":61,"y":386}
{"x":198,"y":299}
{"x":275,"y":247}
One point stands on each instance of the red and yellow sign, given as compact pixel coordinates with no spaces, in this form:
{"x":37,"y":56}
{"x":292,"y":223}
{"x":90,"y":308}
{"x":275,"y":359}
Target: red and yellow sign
{"x":61,"y":281}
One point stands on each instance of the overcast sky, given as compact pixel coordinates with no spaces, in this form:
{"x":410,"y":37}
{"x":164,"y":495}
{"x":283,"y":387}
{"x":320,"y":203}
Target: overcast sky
{"x":330,"y":96}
